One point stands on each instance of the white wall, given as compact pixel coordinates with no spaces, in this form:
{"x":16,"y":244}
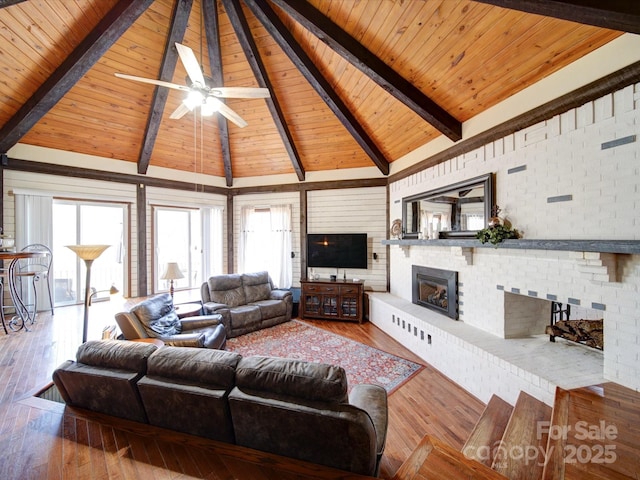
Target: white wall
{"x":349,"y":210}
{"x":353,"y":210}
{"x":560,"y":159}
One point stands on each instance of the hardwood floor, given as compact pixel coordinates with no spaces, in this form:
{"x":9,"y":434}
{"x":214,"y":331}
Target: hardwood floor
{"x":41,"y":439}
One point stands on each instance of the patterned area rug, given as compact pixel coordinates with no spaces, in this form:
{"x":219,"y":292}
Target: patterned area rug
{"x":294,"y":339}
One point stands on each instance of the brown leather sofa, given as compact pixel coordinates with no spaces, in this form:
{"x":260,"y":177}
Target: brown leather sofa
{"x":302,"y":410}
{"x":104,"y":378}
{"x":247,"y":302}
{"x":156,"y":317}
{"x":288,"y":407}
{"x":186,"y":389}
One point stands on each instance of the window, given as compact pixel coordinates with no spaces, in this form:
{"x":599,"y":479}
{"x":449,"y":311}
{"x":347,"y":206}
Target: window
{"x":265,"y":243}
{"x":191,"y":237}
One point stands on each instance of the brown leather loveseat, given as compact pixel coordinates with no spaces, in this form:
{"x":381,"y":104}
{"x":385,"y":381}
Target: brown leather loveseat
{"x":247,"y":301}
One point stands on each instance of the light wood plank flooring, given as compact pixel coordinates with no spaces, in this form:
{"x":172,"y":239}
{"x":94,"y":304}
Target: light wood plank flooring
{"x":41,"y":439}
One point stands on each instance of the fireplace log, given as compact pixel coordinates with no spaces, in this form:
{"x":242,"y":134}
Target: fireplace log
{"x":589,"y":332}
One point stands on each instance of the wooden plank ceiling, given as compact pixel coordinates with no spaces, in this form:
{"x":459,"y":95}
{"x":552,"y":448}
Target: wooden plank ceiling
{"x":353,"y":83}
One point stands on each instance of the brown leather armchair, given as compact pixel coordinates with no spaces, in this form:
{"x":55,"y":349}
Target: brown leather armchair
{"x":156,"y":318}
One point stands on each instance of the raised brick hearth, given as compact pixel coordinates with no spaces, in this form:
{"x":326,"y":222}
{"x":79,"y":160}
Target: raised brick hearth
{"x":563,"y":179}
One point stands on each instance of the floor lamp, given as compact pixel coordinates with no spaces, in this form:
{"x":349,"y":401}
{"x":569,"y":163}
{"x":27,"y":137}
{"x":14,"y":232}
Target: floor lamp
{"x":88,"y":253}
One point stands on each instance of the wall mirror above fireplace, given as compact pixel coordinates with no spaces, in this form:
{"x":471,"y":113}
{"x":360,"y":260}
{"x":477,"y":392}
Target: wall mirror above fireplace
{"x":457,"y":210}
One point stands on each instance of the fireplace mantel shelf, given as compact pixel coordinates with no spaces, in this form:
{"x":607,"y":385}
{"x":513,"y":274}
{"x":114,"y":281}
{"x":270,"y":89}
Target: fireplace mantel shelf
{"x":602,"y":246}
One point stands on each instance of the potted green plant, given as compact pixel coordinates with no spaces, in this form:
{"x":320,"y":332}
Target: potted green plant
{"x":497,"y":229}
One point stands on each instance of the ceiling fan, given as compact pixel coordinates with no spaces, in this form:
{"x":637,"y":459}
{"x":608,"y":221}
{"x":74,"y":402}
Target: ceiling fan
{"x":201,"y":93}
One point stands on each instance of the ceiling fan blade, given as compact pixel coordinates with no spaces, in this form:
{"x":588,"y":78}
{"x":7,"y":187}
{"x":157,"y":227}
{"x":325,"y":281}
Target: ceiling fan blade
{"x":180,"y":112}
{"x":153,"y":82}
{"x":227,"y":112}
{"x":239,"y":92}
{"x":191,"y":64}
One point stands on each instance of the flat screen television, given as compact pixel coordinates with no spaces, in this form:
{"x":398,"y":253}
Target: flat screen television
{"x":339,"y":250}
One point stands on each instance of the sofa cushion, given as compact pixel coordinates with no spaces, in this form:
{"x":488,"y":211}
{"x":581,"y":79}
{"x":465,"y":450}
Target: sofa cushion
{"x":256,"y":286}
{"x":158,"y":315}
{"x":272,"y":308}
{"x":117,"y":354}
{"x":245,"y":316}
{"x":197,"y":365}
{"x":296,"y":378}
{"x":227,"y":289}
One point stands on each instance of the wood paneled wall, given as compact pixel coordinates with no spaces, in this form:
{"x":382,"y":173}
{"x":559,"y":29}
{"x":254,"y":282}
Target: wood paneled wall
{"x":353,"y":210}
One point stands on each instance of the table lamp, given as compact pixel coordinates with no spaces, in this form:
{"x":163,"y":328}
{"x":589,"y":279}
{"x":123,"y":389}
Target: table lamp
{"x":88,"y":253}
{"x":171,"y":273}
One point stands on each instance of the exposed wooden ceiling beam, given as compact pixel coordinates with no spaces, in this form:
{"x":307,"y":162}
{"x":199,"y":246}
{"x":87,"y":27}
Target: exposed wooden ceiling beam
{"x":179,"y":22}
{"x":8,"y":3}
{"x":85,"y":55}
{"x":294,"y":51}
{"x":368,"y":63}
{"x":241,"y":27}
{"x":212,"y":32}
{"x":622,"y":15}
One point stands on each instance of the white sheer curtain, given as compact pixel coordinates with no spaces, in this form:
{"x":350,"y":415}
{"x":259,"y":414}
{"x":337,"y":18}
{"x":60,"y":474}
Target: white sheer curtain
{"x":212,"y":228}
{"x":265,"y":242}
{"x":281,"y":271}
{"x":249,"y":246}
{"x":34,"y":225}
{"x":33,"y":220}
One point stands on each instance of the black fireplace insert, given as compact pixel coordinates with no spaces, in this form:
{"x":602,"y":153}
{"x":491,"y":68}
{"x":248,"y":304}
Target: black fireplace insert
{"x":435,"y":289}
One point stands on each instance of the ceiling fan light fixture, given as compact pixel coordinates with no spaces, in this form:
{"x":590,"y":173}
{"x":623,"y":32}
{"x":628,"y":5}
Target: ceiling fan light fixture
{"x":200,"y":93}
{"x":209,"y":107}
{"x":194,"y":98}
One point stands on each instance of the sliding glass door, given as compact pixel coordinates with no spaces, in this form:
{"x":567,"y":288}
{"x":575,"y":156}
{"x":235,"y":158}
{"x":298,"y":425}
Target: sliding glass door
{"x":78,"y":222}
{"x":190,"y":237}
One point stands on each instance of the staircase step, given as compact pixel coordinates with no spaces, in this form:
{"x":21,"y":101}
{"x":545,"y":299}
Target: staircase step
{"x":436,"y":460}
{"x":554,"y":466}
{"x":486,"y":435}
{"x":523,"y":446}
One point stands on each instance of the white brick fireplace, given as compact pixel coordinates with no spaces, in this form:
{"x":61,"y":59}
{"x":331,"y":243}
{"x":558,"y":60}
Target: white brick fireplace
{"x":573,"y":177}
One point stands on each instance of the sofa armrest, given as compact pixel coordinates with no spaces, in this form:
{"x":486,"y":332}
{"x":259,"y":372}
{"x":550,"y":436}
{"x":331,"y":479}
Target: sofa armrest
{"x":205,"y":293}
{"x":373,"y":400}
{"x":185,"y":340}
{"x":213,"y":307}
{"x":58,"y":381}
{"x":200,"y":321}
{"x":280,"y":294}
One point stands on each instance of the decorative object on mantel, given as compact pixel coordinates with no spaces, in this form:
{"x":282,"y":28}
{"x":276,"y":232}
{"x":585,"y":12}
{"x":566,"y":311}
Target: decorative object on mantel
{"x":495,"y":219}
{"x":498,"y":229}
{"x":396,"y":228}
